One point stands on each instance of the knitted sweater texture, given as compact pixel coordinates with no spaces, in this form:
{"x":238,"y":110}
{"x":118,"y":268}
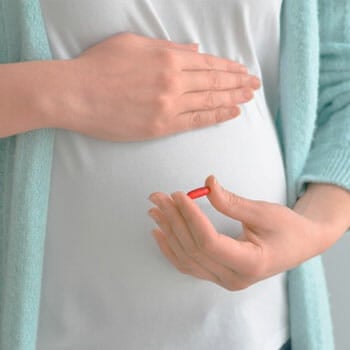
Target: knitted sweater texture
{"x":313,"y":124}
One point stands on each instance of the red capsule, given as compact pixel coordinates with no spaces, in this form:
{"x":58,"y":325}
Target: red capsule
{"x":198,"y":192}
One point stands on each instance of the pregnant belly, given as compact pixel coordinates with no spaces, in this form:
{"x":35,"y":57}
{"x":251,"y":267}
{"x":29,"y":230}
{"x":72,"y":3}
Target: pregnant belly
{"x":105,"y":186}
{"x":99,"y":246}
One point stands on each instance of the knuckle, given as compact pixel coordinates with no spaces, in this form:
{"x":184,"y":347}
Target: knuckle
{"x":233,"y":96}
{"x":209,"y":99}
{"x":209,"y":60}
{"x":205,"y":244}
{"x":128,"y":37}
{"x":168,"y":81}
{"x":239,"y":80}
{"x":162,"y":104}
{"x":232,"y":200}
{"x":214,"y":80}
{"x":167,"y":58}
{"x":193,"y":252}
{"x":218,"y":115}
{"x":194,"y":120}
{"x":231,"y":66}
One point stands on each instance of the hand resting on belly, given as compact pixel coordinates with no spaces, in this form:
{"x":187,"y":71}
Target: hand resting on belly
{"x":132,"y":88}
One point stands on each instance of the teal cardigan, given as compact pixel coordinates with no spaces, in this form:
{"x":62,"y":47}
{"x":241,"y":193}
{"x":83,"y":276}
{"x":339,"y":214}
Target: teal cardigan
{"x":313,"y":125}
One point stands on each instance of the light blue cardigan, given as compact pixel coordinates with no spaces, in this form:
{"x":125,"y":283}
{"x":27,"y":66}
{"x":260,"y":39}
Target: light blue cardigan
{"x":314,"y":131}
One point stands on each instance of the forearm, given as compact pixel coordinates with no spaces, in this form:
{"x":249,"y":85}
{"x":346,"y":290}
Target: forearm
{"x":26,"y":95}
{"x":328,"y":205}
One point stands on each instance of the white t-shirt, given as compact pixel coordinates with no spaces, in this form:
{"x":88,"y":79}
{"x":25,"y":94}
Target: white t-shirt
{"x":106,"y":285}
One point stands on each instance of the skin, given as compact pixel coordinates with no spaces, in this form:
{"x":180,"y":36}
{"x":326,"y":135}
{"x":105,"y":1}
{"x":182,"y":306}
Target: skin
{"x":158,"y":88}
{"x":274,"y":238}
{"x":127,"y":87}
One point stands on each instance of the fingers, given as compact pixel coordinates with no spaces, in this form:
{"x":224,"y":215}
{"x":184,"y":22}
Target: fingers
{"x":189,"y":58}
{"x":205,"y":100}
{"x":208,"y":270}
{"x":174,"y":250}
{"x":175,"y":219}
{"x":194,"y":269}
{"x":217,"y":80}
{"x":178,"y":245}
{"x":193,"y":229}
{"x":243,"y":257}
{"x":200,"y":256}
{"x":196,"y":221}
{"x":198,"y":119}
{"x":195,"y":61}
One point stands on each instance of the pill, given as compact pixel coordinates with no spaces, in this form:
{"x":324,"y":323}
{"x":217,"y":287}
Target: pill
{"x":198,"y":192}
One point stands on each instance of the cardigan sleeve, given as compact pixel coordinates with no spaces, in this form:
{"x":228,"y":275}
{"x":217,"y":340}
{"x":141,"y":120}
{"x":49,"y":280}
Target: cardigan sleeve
{"x":329,"y":157}
{"x":3,"y":43}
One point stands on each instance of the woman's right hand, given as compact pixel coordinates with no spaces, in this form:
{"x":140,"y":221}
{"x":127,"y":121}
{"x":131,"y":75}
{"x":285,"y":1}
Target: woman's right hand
{"x":132,"y":88}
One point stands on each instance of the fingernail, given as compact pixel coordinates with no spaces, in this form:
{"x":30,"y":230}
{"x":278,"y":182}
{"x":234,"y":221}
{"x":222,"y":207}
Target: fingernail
{"x":154,"y":216}
{"x":152,"y":198}
{"x":218,"y":185}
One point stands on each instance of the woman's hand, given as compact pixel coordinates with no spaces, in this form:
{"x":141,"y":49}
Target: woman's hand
{"x":131,"y":88}
{"x":274,"y":238}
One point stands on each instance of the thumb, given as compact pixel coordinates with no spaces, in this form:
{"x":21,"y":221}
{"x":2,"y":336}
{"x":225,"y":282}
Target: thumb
{"x":243,"y":209}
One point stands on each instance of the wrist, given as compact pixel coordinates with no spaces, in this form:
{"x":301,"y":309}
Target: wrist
{"x":24,"y":86}
{"x":328,"y":206}
{"x":55,"y":99}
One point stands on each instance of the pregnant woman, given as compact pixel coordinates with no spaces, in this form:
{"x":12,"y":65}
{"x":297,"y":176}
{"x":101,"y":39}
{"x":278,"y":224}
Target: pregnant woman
{"x":105,"y":282}
{"x":138,"y":111}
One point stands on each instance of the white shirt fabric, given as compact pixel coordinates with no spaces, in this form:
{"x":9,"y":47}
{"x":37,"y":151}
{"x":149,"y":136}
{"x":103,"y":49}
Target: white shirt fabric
{"x":106,"y":285}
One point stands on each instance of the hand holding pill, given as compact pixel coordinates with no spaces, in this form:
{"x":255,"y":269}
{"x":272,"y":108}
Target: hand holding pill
{"x":266,"y":246}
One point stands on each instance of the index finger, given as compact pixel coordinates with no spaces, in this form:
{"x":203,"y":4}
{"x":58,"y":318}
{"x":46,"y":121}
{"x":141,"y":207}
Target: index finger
{"x":240,"y":256}
{"x":191,"y":60}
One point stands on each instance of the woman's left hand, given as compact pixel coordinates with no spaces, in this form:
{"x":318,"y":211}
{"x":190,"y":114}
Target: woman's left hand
{"x":274,"y":239}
